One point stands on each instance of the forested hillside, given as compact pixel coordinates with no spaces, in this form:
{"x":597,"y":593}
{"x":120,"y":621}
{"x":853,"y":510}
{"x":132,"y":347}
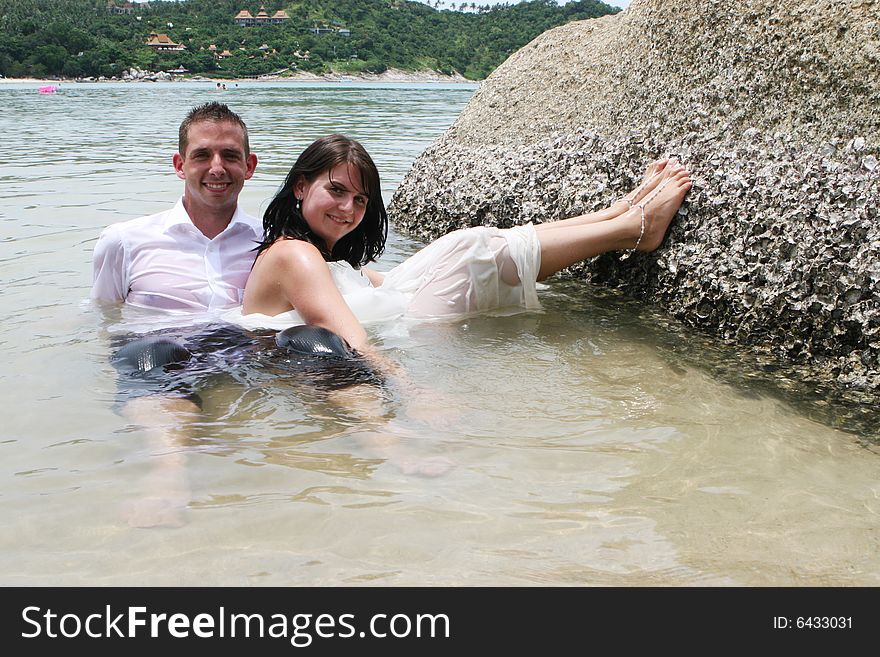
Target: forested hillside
{"x":76,"y":38}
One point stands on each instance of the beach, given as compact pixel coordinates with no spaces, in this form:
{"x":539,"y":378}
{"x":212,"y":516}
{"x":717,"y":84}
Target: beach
{"x":390,"y":75}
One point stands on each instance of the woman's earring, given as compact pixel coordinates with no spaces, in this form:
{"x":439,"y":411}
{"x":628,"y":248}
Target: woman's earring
{"x":299,"y":205}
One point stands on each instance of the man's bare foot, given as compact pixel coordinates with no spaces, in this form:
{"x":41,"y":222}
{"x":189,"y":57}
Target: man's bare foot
{"x":430,"y":466}
{"x":155,"y":511}
{"x":654,"y":212}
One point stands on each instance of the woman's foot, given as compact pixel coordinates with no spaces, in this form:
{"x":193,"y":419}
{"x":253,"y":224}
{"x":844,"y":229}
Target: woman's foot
{"x":652,"y":178}
{"x":653,"y":214}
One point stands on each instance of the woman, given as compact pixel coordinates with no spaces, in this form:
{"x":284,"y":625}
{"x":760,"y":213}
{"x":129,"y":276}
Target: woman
{"x":328,"y":221}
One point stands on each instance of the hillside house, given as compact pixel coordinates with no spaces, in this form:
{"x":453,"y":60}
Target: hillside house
{"x":162,"y":43}
{"x":246,"y":19}
{"x":122,"y":9}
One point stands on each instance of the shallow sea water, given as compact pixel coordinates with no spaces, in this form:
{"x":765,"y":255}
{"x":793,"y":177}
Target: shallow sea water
{"x":582,"y":448}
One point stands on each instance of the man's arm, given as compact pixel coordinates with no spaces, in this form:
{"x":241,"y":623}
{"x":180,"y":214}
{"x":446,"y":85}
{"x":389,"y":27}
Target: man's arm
{"x":108,"y":267}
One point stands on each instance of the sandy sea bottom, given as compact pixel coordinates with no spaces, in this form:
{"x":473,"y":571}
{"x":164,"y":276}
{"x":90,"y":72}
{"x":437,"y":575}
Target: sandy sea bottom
{"x":594,"y":443}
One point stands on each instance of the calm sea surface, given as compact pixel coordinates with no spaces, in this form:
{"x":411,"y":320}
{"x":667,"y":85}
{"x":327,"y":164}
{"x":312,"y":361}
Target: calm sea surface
{"x":587,"y":444}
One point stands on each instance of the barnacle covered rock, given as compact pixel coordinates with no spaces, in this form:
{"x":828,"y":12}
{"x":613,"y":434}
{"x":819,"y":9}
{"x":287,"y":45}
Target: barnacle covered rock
{"x":773,"y":107}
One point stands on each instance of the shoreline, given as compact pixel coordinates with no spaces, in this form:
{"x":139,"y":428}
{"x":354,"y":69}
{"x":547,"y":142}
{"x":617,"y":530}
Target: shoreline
{"x":390,"y":75}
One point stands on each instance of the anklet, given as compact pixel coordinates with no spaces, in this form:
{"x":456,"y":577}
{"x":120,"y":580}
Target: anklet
{"x":641,"y":206}
{"x":628,"y":252}
{"x":638,"y":189}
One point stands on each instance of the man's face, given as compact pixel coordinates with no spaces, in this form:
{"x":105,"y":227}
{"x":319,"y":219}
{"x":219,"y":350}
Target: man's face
{"x":214,"y":168}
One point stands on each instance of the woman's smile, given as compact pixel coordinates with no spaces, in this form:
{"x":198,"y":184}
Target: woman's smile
{"x":334,"y":203}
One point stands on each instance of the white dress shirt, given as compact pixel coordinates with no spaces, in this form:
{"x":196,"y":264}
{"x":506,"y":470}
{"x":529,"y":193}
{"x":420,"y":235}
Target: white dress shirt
{"x":163,"y":261}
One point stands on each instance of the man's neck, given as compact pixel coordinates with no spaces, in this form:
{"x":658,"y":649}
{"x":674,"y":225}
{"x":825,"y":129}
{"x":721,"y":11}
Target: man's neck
{"x":209,"y":223}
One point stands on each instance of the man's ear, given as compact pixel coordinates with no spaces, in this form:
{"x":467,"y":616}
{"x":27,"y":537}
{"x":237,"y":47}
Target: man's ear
{"x":178,"y":166}
{"x":251,"y":162}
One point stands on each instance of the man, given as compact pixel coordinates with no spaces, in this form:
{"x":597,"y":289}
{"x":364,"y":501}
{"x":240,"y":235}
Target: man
{"x":194,"y":257}
{"x":197,"y":255}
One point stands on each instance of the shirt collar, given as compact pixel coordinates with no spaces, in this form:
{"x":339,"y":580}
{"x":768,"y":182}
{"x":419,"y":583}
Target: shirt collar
{"x":240,"y":217}
{"x":178,"y":216}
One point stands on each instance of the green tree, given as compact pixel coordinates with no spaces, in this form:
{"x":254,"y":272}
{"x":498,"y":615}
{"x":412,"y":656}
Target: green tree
{"x":49,"y":58}
{"x":403,"y":34}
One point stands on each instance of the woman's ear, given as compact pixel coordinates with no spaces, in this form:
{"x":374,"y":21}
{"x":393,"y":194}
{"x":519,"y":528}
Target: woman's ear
{"x":299,"y":188}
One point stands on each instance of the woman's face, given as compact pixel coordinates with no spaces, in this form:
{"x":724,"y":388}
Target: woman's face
{"x":333,"y":204}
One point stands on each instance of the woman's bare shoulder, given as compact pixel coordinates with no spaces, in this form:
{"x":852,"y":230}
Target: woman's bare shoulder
{"x":291,"y":253}
{"x":281,"y":274}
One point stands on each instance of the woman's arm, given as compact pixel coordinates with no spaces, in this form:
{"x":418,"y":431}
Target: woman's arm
{"x":376,"y":278}
{"x":291,"y":274}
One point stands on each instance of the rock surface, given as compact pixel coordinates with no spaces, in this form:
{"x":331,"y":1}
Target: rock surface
{"x":772,"y":105}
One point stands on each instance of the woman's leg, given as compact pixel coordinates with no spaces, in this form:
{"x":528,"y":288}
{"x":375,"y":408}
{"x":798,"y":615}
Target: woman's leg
{"x":649,"y":181}
{"x":572,"y":243}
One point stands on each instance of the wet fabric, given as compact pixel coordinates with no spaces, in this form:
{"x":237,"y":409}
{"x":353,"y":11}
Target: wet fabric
{"x":163,"y":261}
{"x":189,"y":362}
{"x":468,"y":271}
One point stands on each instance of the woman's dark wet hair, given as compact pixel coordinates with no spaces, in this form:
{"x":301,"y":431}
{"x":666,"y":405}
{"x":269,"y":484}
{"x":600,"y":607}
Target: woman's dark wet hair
{"x":283,"y":219}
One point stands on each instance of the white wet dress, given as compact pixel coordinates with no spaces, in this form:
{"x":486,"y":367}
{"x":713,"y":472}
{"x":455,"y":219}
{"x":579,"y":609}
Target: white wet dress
{"x":465,"y":272}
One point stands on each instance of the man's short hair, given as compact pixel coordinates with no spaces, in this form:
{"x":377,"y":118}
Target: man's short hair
{"x":212,"y":111}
